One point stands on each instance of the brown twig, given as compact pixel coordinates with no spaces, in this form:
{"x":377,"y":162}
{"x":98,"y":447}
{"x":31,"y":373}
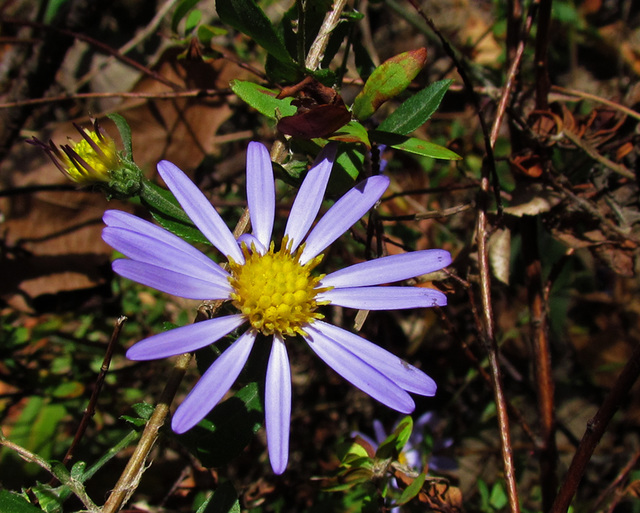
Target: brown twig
{"x":97,"y":44}
{"x":594,"y":431}
{"x":541,"y":57}
{"x":91,"y":407}
{"x":169,"y":95}
{"x":547,"y":451}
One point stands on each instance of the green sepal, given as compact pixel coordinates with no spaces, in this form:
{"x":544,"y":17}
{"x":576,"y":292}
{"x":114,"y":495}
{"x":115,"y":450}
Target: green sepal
{"x":415,"y":111}
{"x":387,"y":81}
{"x":263,"y":99}
{"x":166,"y":210}
{"x":413,"y":145}
{"x":125,"y":134}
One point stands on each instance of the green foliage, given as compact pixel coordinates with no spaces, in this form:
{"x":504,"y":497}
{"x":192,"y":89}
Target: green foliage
{"x":387,"y":81}
{"x":263,"y":99}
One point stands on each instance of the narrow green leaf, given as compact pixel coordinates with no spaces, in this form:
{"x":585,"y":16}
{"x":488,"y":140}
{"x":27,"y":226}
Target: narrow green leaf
{"x":192,"y":21}
{"x":387,"y":81}
{"x":166,"y":210}
{"x":413,"y":145}
{"x":181,"y":11}
{"x":412,"y":490}
{"x":13,"y":503}
{"x":263,"y":100}
{"x":248,"y":18}
{"x":125,"y":133}
{"x":415,"y":111}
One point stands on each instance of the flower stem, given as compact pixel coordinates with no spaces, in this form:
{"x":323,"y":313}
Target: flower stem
{"x":129,"y":479}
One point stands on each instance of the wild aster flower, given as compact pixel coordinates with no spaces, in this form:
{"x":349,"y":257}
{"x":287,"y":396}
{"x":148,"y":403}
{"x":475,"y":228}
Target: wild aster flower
{"x":412,"y":452}
{"x":274,"y":291}
{"x":95,"y":160}
{"x":87,"y":161}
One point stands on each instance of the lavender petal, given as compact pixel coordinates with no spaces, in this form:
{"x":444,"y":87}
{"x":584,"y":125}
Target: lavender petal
{"x":309,"y":198}
{"x":384,"y":298}
{"x":358,"y":372}
{"x":199,"y":210}
{"x":145,"y":248}
{"x":184,"y":339}
{"x":343,"y":214}
{"x":389,"y":269}
{"x":404,"y":375}
{"x":213,"y":384}
{"x":171,"y":282}
{"x":278,"y":405}
{"x":261,"y":192}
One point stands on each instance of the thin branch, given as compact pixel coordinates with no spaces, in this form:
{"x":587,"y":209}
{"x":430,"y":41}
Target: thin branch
{"x":594,"y":431}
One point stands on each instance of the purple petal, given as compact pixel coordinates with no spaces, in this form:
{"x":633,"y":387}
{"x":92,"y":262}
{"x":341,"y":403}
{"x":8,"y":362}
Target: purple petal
{"x":389,"y":269}
{"x":278,"y":405}
{"x":184,"y":339}
{"x":384,"y":298}
{"x":261,"y":192}
{"x":213,"y":384}
{"x":358,"y":372}
{"x":119,"y":219}
{"x":148,"y":249}
{"x":251,"y":241}
{"x":199,"y":210}
{"x":400,"y":372}
{"x":171,"y":282}
{"x":309,"y":198}
{"x":343,"y":214}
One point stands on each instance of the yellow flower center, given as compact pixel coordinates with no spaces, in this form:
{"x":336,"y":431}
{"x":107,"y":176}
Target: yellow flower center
{"x":274,"y":291}
{"x":99,"y":164}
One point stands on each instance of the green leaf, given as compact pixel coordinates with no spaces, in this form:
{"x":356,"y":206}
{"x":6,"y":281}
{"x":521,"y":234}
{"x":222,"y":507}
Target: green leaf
{"x":248,"y":18}
{"x":413,"y":145}
{"x":387,"y":81}
{"x":412,"y":490}
{"x":48,"y":498}
{"x":227,"y":430}
{"x":415,"y":111}
{"x":395,"y":442}
{"x":263,"y":100}
{"x":125,"y":133}
{"x":167,"y":211}
{"x":192,"y":21}
{"x":352,"y":132}
{"x":181,"y":11}
{"x":13,"y":503}
{"x":224,"y":500}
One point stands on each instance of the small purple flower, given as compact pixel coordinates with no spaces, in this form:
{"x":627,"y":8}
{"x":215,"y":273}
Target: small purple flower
{"x":274,"y":291}
{"x":414,"y":448}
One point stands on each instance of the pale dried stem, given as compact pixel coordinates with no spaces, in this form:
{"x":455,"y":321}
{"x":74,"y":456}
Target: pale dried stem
{"x":316,"y":52}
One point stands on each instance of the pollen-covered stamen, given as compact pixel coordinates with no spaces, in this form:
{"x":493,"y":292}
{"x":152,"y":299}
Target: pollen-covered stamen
{"x":274,"y":291}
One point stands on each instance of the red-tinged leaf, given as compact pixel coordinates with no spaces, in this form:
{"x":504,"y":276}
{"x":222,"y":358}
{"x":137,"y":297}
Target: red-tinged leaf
{"x":318,"y":121}
{"x":388,"y":80}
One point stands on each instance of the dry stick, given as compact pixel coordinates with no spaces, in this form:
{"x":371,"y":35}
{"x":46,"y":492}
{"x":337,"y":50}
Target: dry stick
{"x":130,"y":477}
{"x":594,"y":431}
{"x":547,"y":451}
{"x":488,"y":334}
{"x":91,"y":407}
{"x":316,"y":52}
{"x":622,"y":476}
{"x":105,"y":48}
{"x":542,"y":55}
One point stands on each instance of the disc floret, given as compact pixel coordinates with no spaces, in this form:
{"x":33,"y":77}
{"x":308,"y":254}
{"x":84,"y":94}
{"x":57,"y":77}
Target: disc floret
{"x":275,"y":292}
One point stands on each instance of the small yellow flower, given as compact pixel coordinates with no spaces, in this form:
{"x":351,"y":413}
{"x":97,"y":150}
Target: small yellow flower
{"x":90,"y":160}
